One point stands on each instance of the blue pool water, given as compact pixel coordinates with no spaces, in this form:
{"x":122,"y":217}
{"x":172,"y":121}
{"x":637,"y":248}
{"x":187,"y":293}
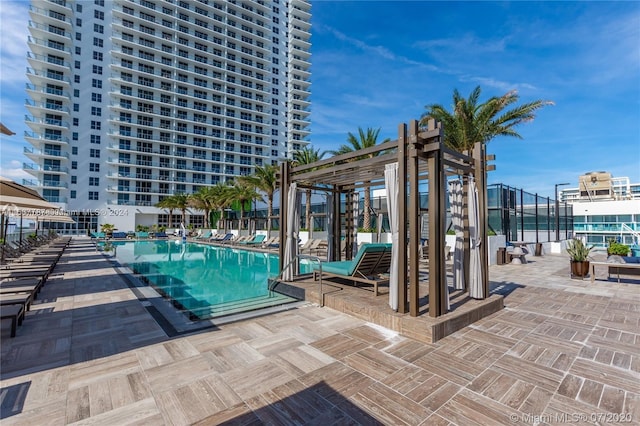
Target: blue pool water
{"x":206,"y":281}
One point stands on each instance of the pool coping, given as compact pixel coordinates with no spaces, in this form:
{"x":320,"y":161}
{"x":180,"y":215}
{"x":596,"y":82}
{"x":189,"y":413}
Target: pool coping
{"x":175,"y":322}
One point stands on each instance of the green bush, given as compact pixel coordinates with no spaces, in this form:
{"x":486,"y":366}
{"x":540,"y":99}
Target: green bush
{"x":616,"y":248}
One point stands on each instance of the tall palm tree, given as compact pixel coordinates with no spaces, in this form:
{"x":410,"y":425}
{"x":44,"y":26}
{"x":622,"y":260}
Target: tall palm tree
{"x":304,"y":156}
{"x":357,"y":143}
{"x":220,"y":199}
{"x":181,"y":202}
{"x":265,"y":179}
{"x":168,"y":203}
{"x":243,"y":192}
{"x":471,"y":122}
{"x":203,"y":200}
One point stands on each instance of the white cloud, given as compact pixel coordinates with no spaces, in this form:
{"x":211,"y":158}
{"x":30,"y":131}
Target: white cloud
{"x":379,"y":51}
{"x":498,"y":84}
{"x":13,"y":38}
{"x":13,"y":170}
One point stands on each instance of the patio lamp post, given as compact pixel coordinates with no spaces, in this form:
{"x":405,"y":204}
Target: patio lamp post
{"x":557,"y":209}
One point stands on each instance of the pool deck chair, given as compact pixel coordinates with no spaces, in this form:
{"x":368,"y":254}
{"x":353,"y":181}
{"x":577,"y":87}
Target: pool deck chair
{"x":370,"y":262}
{"x":256,"y":241}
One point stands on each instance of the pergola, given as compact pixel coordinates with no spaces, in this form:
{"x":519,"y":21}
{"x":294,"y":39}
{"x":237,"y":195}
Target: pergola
{"x":421,"y":155}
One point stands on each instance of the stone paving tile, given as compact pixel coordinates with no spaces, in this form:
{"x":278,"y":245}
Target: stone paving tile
{"x":89,"y":352}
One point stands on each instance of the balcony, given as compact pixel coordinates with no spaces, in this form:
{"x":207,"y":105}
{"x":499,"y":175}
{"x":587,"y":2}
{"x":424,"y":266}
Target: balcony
{"x":38,"y":93}
{"x":43,"y":77}
{"x":44,"y":30}
{"x":40,"y":122}
{"x":55,"y":198}
{"x":34,"y":154}
{"x":40,"y":46}
{"x":44,"y":184}
{"x":40,"y":61}
{"x":31,"y":167}
{"x":39,"y":14}
{"x":38,"y":138}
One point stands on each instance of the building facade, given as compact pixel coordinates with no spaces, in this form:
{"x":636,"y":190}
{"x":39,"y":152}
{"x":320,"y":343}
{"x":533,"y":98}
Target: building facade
{"x":605,"y":208}
{"x":132,"y":101}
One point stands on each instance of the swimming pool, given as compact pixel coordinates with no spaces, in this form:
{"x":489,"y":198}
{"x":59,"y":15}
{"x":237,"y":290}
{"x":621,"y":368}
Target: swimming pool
{"x":202,"y":280}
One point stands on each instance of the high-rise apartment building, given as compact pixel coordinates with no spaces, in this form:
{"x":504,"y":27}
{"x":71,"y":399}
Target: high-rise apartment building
{"x":133,"y":100}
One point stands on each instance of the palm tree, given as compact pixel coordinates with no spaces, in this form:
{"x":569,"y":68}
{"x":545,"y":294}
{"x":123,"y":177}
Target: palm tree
{"x":265,"y":179}
{"x":220,"y":198}
{"x":472,"y":122}
{"x":181,"y":202}
{"x":243,"y":192}
{"x":169,"y":204}
{"x":358,"y":143}
{"x":304,"y":156}
{"x":203,"y":200}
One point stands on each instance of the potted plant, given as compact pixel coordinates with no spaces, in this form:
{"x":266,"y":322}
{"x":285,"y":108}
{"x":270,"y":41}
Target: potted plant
{"x":108,"y":229}
{"x":579,"y":254}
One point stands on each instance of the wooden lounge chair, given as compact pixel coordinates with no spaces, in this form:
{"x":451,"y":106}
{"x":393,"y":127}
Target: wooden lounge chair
{"x":256,"y":240}
{"x":370,"y":261}
{"x":204,"y":236}
{"x":225,"y":238}
{"x":13,"y":312}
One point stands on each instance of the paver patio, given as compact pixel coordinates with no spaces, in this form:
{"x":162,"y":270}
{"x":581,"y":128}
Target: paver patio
{"x":89,"y":352}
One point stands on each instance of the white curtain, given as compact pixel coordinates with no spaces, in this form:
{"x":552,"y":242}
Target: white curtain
{"x":293,"y":227}
{"x":355,"y":209}
{"x":392,"y":190}
{"x":475,"y":267}
{"x":455,"y":203}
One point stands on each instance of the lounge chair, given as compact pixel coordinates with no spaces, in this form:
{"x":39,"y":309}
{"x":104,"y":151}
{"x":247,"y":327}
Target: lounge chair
{"x":119,"y":235}
{"x":161,"y":234}
{"x":142,"y":235}
{"x":204,"y":236}
{"x":256,"y":240}
{"x":370,"y":261}
{"x":239,"y":239}
{"x":223,"y":240}
{"x":15,"y":313}
{"x":271,"y":243}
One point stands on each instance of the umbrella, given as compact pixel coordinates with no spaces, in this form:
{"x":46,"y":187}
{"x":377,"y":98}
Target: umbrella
{"x":293,"y":224}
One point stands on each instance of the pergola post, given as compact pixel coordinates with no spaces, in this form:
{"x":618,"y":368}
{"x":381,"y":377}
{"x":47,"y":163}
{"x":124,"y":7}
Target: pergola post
{"x":480,"y":172}
{"x":336,"y":224}
{"x":437,"y":214}
{"x":402,"y":222}
{"x":414,"y":221}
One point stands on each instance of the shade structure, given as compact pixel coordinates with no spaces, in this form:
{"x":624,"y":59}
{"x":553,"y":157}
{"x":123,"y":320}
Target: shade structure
{"x":14,"y":196}
{"x":5,"y":131}
{"x":455,"y":201}
{"x":53,"y":215}
{"x":475,"y":267}
{"x":293,"y":225}
{"x":391,"y":186}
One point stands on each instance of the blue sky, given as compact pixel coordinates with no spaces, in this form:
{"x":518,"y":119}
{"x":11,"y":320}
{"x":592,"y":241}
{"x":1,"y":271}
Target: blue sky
{"x":378,"y":63}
